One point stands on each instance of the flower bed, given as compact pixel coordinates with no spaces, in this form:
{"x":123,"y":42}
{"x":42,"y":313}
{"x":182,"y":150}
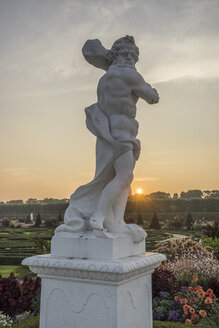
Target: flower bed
{"x":189,"y":305}
{"x":177,"y":292}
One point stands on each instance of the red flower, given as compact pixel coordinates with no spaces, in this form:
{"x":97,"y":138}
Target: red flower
{"x":209,"y":291}
{"x":202,"y":313}
{"x":186,"y":307}
{"x":201,"y":293}
{"x":191,"y":290}
{"x":176,"y":298}
{"x":192,"y":311}
{"x":208,"y":300}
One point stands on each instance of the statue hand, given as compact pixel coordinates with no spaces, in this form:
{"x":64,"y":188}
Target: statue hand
{"x":155,"y":97}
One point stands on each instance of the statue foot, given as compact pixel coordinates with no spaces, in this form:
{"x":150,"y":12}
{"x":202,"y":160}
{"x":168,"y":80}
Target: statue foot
{"x":95,"y":223}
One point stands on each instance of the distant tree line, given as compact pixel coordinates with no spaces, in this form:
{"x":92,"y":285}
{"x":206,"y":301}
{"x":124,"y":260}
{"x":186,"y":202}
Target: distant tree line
{"x":135,"y":204}
{"x":45,"y":201}
{"x":190,"y":194}
{"x":170,"y":205}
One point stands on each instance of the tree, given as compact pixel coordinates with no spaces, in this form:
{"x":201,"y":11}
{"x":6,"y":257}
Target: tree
{"x":129,"y":220}
{"x":6,"y":222}
{"x":32,"y":201}
{"x":182,"y":194}
{"x":38,"y":221}
{"x":140,"y":220}
{"x":159,"y":195}
{"x":28,"y":219}
{"x":60,"y":217}
{"x":15,"y":202}
{"x":155,"y":224}
{"x":52,"y":222}
{"x":189,"y":221}
{"x":214,"y":194}
{"x":175,"y":195}
{"x":191,"y":194}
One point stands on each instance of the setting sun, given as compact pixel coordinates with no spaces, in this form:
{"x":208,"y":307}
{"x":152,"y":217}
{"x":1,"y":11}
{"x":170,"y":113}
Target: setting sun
{"x":139,"y":191}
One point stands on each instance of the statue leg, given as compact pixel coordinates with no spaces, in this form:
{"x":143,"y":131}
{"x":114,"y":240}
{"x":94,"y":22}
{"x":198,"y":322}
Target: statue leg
{"x":119,"y":206}
{"x":123,"y":166}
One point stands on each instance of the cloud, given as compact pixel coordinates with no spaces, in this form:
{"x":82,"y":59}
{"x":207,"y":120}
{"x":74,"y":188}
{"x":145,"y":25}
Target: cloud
{"x":43,"y":40}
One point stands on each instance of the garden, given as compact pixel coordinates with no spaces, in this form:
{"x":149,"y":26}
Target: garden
{"x":185,"y":287}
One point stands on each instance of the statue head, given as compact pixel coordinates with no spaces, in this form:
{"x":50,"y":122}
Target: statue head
{"x":123,"y":50}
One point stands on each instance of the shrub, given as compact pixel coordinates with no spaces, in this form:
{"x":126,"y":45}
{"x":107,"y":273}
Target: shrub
{"x":212,"y":229}
{"x":6,"y":222}
{"x":190,"y":268}
{"x":212,"y":245}
{"x":11,"y":260}
{"x":38,"y":221}
{"x":140,"y":220}
{"x":189,"y":221}
{"x":16,"y":295}
{"x":52,"y":222}
{"x":174,"y":248}
{"x":176,"y":222}
{"x":155,"y":224}
{"x":163,"y":279}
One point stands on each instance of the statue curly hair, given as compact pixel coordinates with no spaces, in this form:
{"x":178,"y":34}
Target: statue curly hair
{"x":117,"y":45}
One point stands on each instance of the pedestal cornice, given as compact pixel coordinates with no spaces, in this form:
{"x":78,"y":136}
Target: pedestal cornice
{"x":117,"y":270}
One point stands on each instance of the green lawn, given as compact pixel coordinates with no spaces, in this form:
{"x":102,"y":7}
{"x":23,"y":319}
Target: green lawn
{"x":20,"y":271}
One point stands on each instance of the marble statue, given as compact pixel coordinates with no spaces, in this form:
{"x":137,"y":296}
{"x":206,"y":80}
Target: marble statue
{"x":100,"y":204}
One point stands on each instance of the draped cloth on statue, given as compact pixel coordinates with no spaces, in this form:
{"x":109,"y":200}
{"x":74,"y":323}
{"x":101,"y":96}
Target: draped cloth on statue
{"x":84,"y":201}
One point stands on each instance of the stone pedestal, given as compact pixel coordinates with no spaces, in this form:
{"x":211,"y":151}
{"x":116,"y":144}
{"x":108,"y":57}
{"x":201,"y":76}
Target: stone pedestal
{"x":86,"y":245}
{"x":86,"y":293}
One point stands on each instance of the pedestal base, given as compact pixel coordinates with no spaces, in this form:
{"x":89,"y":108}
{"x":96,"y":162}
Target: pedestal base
{"x":86,"y":245}
{"x":79,"y":293}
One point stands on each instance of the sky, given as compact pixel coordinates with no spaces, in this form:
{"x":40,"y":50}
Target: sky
{"x":45,"y":83}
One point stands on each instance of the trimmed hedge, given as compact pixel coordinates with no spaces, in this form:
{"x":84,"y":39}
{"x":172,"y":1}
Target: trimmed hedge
{"x":12,"y":260}
{"x":168,"y":324}
{"x":30,"y":323}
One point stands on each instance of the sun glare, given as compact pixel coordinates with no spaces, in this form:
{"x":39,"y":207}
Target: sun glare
{"x":139,"y":191}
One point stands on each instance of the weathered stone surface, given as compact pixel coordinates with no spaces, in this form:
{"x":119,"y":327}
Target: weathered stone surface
{"x":80,"y":293}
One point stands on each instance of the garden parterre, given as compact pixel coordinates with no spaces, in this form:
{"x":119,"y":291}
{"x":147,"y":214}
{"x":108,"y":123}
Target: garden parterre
{"x":185,"y":290}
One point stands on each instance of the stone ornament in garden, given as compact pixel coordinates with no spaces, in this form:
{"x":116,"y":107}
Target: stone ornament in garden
{"x":99,"y":205}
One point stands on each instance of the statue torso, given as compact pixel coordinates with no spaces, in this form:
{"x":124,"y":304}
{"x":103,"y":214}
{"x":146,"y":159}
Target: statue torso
{"x":118,"y":102}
